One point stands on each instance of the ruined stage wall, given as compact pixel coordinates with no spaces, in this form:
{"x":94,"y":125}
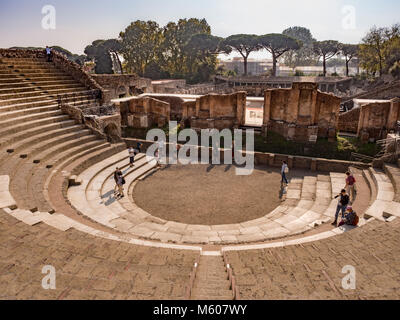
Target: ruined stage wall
{"x":301,"y":113}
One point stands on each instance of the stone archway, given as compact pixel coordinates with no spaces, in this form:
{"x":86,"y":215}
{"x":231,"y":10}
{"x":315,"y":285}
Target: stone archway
{"x":122,"y":92}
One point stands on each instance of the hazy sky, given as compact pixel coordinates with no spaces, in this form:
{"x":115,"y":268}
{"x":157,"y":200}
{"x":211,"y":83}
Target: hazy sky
{"x":78,"y":23}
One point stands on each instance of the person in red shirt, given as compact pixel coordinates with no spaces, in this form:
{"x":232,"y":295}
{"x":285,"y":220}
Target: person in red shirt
{"x":350,"y":185}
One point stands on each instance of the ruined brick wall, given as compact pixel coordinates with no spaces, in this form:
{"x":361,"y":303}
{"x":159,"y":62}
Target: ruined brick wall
{"x":301,"y":112}
{"x":377,"y":119}
{"x":145,"y":112}
{"x":348,"y":121}
{"x":176,"y":105}
{"x":123,"y":84}
{"x":222,"y":107}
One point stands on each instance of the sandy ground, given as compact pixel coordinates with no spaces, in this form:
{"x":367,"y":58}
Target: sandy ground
{"x":208,"y":195}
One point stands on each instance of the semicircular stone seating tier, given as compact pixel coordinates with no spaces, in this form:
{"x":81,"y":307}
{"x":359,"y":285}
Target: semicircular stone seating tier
{"x":309,"y":203}
{"x":38,"y":142}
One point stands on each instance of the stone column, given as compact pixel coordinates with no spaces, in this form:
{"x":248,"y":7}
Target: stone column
{"x":314,"y":110}
{"x":267,"y":112}
{"x":394,"y":114}
{"x":292,"y":110}
{"x":241,"y":98}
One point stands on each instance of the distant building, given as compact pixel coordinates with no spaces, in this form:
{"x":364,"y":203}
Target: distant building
{"x":254,"y":67}
{"x":264,"y":67}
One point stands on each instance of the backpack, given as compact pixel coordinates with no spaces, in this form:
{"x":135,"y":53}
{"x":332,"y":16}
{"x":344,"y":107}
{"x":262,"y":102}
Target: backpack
{"x":356,"y":220}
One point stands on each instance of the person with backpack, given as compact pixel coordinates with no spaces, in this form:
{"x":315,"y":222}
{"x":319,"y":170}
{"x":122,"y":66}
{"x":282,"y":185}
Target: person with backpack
{"x":284,"y":171}
{"x":118,"y":178}
{"x":120,"y":184}
{"x":342,"y":205}
{"x":350,"y":185}
{"x":350,"y":218}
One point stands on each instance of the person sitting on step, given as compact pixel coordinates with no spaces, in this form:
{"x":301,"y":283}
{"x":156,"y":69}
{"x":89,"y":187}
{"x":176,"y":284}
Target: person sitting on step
{"x":350,"y":218}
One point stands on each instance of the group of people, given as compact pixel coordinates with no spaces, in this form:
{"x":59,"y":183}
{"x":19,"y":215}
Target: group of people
{"x":347,"y":196}
{"x":118,"y":175}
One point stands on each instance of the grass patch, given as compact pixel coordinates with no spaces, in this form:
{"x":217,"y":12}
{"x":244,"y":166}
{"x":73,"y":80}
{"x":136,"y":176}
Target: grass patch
{"x":340,"y":149}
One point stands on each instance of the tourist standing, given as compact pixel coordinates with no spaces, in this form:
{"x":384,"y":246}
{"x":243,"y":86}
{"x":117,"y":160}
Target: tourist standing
{"x":139,"y":147}
{"x":284,"y":171}
{"x":120,"y":184}
{"x":48,"y":54}
{"x":117,"y":173}
{"x":131,"y":152}
{"x":342,"y":205}
{"x":350,"y":185}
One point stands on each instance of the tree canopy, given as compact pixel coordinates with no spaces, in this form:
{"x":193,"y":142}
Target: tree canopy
{"x":277,"y":44}
{"x":303,"y":56}
{"x":379,"y":50}
{"x":244,"y":44}
{"x":100,"y":51}
{"x":326,"y":50}
{"x":140,"y":43}
{"x":349,"y":51}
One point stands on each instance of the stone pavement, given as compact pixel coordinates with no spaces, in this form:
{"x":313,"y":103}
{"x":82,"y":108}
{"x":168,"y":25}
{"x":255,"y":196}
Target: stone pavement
{"x":87,"y":267}
{"x":314,"y":270}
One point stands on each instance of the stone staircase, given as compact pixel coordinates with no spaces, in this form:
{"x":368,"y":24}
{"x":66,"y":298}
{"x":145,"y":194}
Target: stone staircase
{"x":211,"y":282}
{"x":35,"y":136}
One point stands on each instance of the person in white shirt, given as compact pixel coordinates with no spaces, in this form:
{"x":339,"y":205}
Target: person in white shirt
{"x":48,"y":54}
{"x":284,"y":170}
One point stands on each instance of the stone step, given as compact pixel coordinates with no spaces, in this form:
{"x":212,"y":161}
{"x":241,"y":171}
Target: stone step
{"x":22,"y":83}
{"x":43,"y":96}
{"x":213,"y":292}
{"x":34,"y":125}
{"x":211,"y":297}
{"x":39,"y":174}
{"x":45,"y":148}
{"x":6,"y":199}
{"x":20,"y":185}
{"x":383,"y":207}
{"x":45,"y":87}
{"x":24,"y":65}
{"x":91,"y":153}
{"x":49,"y":133}
{"x":211,"y":267}
{"x":28,"y":71}
{"x":18,"y":113}
{"x":90,"y":203}
{"x":5,"y":77}
{"x":29,"y":118}
{"x":40,"y":92}
{"x":82,"y":99}
{"x":393,"y":172}
{"x":371,"y":185}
